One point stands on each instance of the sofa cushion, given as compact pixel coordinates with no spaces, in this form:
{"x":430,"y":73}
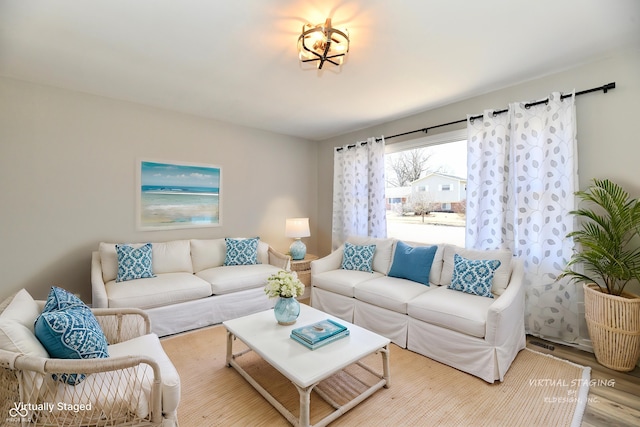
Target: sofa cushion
{"x":16,"y":325}
{"x":149,"y":345}
{"x":164,"y":289}
{"x":71,"y":333}
{"x":228,"y":279}
{"x":453,"y":310}
{"x":168,"y":257}
{"x":473,"y":276}
{"x":108,"y":261}
{"x":389,"y":292}
{"x":172,"y":257}
{"x":358,"y":257}
{"x":207,"y":253}
{"x":342,"y":281}
{"x":22,"y":308}
{"x":17,"y":338}
{"x":383,"y":254}
{"x":501,"y":277}
{"x":412,"y":263}
{"x":241,"y":251}
{"x":117,"y":392}
{"x":134,"y":263}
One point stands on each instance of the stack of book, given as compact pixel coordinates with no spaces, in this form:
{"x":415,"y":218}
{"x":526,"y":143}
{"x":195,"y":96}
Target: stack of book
{"x":319,"y":333}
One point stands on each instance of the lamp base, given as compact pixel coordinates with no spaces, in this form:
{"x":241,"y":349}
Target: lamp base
{"x":298,"y":250}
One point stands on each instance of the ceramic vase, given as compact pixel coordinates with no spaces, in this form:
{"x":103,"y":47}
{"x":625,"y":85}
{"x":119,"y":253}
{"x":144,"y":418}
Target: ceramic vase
{"x":286,"y":310}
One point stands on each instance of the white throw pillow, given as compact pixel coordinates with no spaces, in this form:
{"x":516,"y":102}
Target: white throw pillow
{"x":23,"y":309}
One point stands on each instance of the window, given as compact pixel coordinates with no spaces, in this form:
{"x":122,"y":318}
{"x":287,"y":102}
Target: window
{"x":431,"y":211}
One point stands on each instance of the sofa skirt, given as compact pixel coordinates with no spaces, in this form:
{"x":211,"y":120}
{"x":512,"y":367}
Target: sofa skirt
{"x":466,"y":353}
{"x":335,"y":304}
{"x":389,"y":324}
{"x":181,"y":317}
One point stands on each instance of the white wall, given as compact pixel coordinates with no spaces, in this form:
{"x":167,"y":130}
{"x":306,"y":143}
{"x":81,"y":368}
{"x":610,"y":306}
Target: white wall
{"x":608,"y":143}
{"x":68,"y":172}
{"x":67,"y":167}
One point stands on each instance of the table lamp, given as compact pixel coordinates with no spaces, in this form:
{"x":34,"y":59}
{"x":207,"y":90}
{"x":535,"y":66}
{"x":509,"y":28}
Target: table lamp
{"x":297,"y":228}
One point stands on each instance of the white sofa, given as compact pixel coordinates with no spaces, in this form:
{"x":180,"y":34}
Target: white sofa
{"x":192,"y":287}
{"x":472,"y":333}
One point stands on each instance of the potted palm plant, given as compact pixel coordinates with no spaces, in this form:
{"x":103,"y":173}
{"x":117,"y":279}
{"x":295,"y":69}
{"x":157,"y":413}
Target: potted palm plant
{"x":607,"y":260}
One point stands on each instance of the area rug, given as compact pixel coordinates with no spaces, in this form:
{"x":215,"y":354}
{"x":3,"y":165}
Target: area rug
{"x":538,"y":390}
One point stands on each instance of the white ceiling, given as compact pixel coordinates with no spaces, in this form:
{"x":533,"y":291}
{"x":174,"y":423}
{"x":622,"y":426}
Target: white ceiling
{"x":236,"y":60}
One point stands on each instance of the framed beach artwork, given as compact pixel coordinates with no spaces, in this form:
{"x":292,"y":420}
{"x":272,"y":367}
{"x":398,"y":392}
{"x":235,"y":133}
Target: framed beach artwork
{"x":178,"y":195}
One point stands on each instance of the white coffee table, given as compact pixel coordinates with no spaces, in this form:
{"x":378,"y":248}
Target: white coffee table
{"x":303,"y":367}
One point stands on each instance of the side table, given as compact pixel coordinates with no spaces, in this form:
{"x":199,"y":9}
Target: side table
{"x":303,"y":269}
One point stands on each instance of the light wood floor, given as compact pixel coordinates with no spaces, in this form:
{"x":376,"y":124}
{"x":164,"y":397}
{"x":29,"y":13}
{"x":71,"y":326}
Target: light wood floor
{"x":614,"y":397}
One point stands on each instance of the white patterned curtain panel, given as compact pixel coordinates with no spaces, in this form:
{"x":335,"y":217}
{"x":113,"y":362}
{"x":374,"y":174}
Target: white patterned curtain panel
{"x":358,"y":191}
{"x":522,"y":176}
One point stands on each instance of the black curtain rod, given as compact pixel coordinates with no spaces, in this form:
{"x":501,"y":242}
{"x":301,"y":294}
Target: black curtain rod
{"x":603,"y":88}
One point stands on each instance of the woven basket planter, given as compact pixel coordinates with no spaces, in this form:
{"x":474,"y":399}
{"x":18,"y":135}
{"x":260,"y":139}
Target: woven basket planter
{"x":614,"y":327}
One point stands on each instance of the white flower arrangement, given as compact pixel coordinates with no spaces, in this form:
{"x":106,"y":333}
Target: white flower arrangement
{"x":284,"y":284}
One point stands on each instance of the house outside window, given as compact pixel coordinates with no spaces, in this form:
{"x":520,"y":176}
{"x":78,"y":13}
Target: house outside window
{"x":428,"y":208}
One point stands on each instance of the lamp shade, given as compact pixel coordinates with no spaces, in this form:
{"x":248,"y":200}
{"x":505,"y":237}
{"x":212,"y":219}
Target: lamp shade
{"x":297,"y":228}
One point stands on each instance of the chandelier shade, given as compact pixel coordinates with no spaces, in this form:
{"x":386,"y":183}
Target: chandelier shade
{"x":322,"y":43}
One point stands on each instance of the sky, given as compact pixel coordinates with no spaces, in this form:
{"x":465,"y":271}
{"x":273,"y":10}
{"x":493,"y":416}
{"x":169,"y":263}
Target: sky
{"x":186,"y":175}
{"x":452,"y":156}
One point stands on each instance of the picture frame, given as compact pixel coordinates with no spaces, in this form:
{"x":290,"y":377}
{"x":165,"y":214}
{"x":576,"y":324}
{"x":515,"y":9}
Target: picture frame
{"x":173,"y":195}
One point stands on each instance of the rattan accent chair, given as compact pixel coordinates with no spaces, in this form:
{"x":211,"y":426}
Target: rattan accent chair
{"x":127,"y":388}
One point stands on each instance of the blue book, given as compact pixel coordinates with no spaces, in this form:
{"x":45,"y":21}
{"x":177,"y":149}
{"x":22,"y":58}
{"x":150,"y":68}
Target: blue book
{"x":318,"y":331}
{"x":325,"y":341}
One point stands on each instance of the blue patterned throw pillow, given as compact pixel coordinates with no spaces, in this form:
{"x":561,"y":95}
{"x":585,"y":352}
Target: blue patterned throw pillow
{"x":70,"y":332}
{"x":473,"y":276}
{"x":241,"y":251}
{"x":358,"y":257}
{"x":134,"y":263}
{"x":59,"y":299}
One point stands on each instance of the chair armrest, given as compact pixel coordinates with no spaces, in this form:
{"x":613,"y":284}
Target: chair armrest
{"x":32,"y":379}
{"x":98,"y":291}
{"x":507,"y":311}
{"x":279,"y":260}
{"x":333,"y":261}
{"x":122,"y":324}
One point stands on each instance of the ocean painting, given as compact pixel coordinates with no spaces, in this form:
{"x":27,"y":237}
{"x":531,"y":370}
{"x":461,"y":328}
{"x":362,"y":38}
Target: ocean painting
{"x":178,"y":195}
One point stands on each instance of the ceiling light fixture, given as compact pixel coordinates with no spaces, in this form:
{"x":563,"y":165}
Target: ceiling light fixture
{"x":323,"y":43}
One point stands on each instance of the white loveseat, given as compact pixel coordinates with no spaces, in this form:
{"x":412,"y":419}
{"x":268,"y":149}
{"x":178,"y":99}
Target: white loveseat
{"x":472,"y":333}
{"x":192,"y":287}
